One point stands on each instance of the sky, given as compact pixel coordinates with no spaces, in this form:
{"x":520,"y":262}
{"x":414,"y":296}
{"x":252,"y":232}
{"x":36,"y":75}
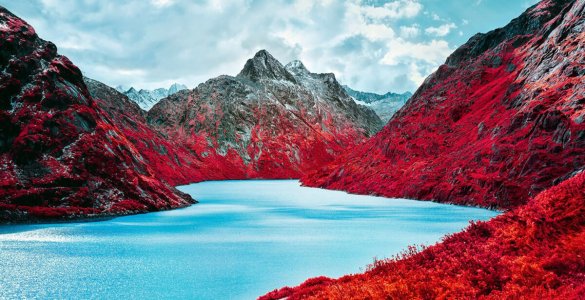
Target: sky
{"x":370,"y":45}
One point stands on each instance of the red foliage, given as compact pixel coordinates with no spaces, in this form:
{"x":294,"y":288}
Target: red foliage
{"x":128,"y":205}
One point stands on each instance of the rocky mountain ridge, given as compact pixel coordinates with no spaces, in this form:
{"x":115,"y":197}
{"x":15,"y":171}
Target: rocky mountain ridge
{"x":385,"y":105}
{"x":270,"y":120}
{"x":146,"y":99}
{"x":500,"y":124}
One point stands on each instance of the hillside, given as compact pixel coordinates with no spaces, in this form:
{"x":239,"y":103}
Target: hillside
{"x":61,"y":155}
{"x":499,"y":122}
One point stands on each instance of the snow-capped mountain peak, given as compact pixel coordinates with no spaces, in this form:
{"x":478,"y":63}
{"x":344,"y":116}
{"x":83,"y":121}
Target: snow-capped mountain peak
{"x":146,"y":99}
{"x":385,"y":105}
{"x":296,"y":67}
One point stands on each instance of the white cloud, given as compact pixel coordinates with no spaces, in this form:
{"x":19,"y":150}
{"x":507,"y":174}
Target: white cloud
{"x":138,"y":43}
{"x":394,"y":10}
{"x":162,"y":3}
{"x":435,"y":52}
{"x":415,"y":73}
{"x":307,"y":5}
{"x":407,"y":32}
{"x":442,"y":30}
{"x":378,"y":32}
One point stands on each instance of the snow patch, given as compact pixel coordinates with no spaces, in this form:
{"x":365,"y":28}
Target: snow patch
{"x":4,"y":26}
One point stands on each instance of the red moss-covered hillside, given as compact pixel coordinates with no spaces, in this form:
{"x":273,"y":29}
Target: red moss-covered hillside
{"x":499,"y":122}
{"x":61,"y":155}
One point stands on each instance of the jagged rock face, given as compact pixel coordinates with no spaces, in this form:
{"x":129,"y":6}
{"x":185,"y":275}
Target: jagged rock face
{"x":60,"y":154}
{"x":146,"y":99}
{"x":264,"y":67}
{"x":499,"y":122}
{"x":385,"y":106}
{"x":267,"y":122}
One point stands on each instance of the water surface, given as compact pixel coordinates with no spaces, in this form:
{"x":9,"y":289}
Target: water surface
{"x":245,"y":238}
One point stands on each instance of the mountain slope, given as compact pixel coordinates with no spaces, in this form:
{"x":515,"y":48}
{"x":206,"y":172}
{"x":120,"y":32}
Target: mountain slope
{"x":267,"y":122}
{"x":170,"y":161}
{"x":385,"y":105}
{"x":61,"y":156}
{"x":146,"y":99}
{"x":499,"y":122}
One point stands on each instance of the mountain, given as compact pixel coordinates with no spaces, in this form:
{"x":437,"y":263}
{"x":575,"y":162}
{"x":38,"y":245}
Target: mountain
{"x":384,"y":105}
{"x":500,"y":124}
{"x":269,"y":121}
{"x":146,"y":99}
{"x":171,"y":162}
{"x":61,"y":155}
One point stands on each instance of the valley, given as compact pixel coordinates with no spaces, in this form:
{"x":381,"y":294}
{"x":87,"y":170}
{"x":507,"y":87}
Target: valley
{"x":472,"y":187}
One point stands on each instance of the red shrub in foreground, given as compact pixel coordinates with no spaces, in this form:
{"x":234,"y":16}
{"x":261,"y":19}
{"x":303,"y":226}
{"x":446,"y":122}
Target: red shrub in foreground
{"x":536,"y":251}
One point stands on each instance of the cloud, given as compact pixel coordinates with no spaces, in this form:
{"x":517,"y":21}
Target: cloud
{"x":131,"y":43}
{"x":162,"y":3}
{"x":433,"y":52}
{"x":442,"y":30}
{"x":409,"y":31}
{"x":394,"y":10}
{"x":371,"y":45}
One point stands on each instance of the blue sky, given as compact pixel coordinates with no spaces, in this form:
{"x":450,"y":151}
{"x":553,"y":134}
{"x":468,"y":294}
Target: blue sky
{"x":370,"y":45}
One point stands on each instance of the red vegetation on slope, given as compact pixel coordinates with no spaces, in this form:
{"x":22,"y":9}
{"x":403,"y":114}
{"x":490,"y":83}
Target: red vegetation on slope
{"x":500,"y":121}
{"x":533,"y":252}
{"x":61,"y":156}
{"x":279,"y":146}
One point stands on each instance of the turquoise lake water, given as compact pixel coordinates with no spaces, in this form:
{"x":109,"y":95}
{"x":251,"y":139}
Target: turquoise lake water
{"x":243,"y":239}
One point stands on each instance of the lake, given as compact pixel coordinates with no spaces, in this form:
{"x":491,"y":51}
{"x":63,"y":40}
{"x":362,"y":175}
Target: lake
{"x":243,"y":239}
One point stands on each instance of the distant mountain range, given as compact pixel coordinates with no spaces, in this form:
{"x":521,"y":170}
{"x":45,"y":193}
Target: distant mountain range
{"x":146,"y":99}
{"x":385,"y":105}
